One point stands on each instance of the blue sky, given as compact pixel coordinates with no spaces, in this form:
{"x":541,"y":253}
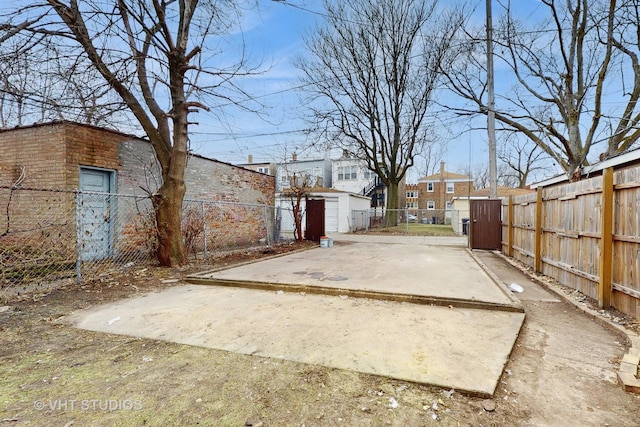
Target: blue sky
{"x":274,"y":35}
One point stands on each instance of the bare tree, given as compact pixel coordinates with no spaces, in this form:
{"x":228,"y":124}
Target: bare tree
{"x":520,"y":160}
{"x":622,"y":35}
{"x":480,"y":175}
{"x":299,"y":188}
{"x":45,"y":83}
{"x":370,"y":78}
{"x":153,"y":54}
{"x":433,"y":153}
{"x":561,"y":67}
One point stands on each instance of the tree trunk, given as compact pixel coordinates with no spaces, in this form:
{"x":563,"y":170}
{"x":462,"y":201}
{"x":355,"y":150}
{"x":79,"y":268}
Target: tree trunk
{"x":168,"y":207}
{"x":391,"y":216}
{"x":297,"y":217}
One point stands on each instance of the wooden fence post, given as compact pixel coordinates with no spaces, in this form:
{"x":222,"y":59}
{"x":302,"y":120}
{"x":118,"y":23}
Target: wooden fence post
{"x":538,"y":236}
{"x":606,"y":240}
{"x":510,"y":227}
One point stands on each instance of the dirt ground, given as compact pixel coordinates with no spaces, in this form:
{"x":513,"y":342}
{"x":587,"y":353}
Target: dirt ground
{"x":53,"y":374}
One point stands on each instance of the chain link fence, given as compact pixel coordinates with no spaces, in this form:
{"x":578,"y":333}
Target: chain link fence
{"x":52,"y":236}
{"x":407,"y":220}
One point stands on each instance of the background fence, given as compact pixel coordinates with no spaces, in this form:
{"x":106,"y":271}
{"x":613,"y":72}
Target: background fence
{"x":50,"y":235}
{"x":375,"y":219}
{"x":584,"y":234}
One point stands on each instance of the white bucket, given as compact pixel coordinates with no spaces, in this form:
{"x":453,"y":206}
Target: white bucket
{"x":330,"y":242}
{"x":324,"y":242}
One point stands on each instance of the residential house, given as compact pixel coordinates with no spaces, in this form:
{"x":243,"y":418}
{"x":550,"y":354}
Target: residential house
{"x":44,"y":164}
{"x":318,"y":172}
{"x":262,"y":167}
{"x":411,"y":199}
{"x":436,"y":193}
{"x":352,"y":175}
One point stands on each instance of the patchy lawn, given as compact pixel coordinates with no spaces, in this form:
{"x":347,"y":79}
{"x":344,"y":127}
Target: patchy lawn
{"x":415,"y":229}
{"x":53,"y":374}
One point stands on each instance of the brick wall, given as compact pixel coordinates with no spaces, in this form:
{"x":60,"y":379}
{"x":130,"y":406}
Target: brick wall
{"x":39,"y":150}
{"x":89,"y":146}
{"x":206,"y":179}
{"x":440,"y":197}
{"x":211,"y":181}
{"x":52,"y":154}
{"x":35,"y":224}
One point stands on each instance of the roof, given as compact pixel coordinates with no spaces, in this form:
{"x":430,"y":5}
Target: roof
{"x":321,"y":190}
{"x":302,"y":161}
{"x":630,"y":157}
{"x":502,"y":192}
{"x":102,"y":129}
{"x":72,"y":123}
{"x":448,"y":176}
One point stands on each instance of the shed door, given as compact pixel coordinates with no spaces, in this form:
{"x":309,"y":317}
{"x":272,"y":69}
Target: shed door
{"x":331,"y":215}
{"x":315,"y":219}
{"x":486,"y":224}
{"x":94,"y":214}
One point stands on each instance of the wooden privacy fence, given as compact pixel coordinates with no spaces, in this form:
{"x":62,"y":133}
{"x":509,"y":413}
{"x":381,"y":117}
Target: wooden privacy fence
{"x":584,"y":234}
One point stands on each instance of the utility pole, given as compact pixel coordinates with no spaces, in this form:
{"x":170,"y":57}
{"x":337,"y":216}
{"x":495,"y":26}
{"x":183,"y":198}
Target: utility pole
{"x":491,"y":114}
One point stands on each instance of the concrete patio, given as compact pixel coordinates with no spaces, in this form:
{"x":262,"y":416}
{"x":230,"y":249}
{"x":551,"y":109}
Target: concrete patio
{"x":407,"y":309}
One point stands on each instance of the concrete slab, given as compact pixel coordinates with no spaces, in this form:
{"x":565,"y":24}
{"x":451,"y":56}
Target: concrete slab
{"x":408,"y":271}
{"x":464,"y":349}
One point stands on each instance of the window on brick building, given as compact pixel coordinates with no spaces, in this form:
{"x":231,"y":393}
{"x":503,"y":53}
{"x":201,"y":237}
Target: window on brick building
{"x":412,"y":194}
{"x":450,"y":187}
{"x":431,"y":205}
{"x":429,"y":186}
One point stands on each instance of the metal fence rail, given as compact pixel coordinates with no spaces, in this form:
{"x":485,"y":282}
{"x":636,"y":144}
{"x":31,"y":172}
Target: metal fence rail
{"x":51,"y":235}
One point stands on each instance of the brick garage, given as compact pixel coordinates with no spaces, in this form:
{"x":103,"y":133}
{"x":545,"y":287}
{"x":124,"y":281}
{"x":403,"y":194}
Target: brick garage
{"x":231,"y":199}
{"x":52,"y":156}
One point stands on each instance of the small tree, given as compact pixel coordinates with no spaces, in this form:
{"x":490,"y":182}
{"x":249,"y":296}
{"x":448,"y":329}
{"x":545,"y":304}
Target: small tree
{"x":300,"y":187}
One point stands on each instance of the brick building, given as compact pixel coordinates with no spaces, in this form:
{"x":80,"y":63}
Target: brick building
{"x":411,"y":199}
{"x":436,"y":193}
{"x":63,"y":157}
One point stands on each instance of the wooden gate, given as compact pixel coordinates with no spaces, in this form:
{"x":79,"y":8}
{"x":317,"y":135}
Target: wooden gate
{"x":486,"y":224}
{"x":314,"y":228}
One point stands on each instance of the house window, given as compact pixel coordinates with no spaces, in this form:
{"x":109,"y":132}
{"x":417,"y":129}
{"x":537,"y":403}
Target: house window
{"x":284,"y":178}
{"x":368,"y":174}
{"x":429,"y":186}
{"x":347,"y":173}
{"x":448,"y":206}
{"x":412,"y":205}
{"x":412,"y":194}
{"x":263,"y":170}
{"x":431,"y":205}
{"x":450,"y":188}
